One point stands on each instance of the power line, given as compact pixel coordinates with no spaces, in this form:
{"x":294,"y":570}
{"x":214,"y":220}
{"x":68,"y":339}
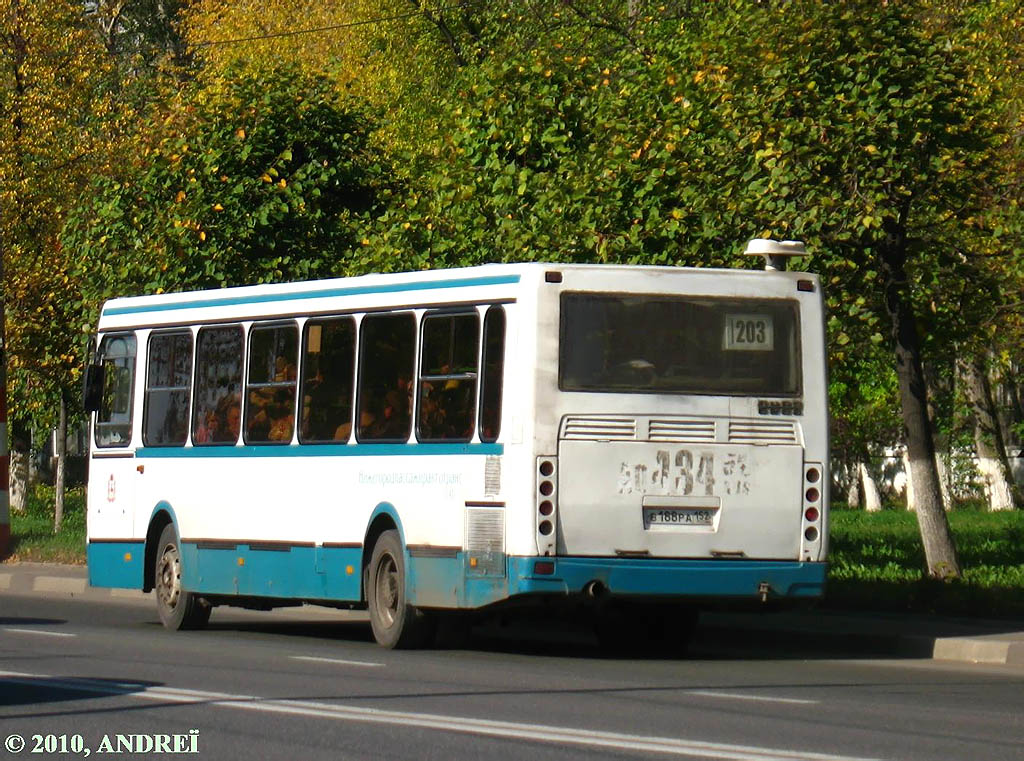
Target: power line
{"x":331,"y":28}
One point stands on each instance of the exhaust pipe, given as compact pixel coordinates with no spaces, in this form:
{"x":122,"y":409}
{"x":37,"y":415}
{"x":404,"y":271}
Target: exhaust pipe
{"x":595,"y":589}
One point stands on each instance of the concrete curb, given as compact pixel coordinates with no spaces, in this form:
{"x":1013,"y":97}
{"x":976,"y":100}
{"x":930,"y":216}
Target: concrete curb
{"x":70,"y":583}
{"x":991,"y":650}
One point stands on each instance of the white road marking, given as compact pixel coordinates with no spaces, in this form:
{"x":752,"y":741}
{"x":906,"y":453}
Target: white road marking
{"x":39,"y":631}
{"x":338,"y":661}
{"x":745,"y":696}
{"x":492,"y":728}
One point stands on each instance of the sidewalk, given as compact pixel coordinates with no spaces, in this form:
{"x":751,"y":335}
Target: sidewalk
{"x":805,"y":633}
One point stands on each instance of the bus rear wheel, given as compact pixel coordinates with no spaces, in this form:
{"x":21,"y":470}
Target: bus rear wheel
{"x":395,"y":623}
{"x":178,"y":608}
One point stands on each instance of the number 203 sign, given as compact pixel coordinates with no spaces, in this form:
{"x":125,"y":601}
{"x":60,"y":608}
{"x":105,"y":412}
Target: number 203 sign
{"x":748,"y":332}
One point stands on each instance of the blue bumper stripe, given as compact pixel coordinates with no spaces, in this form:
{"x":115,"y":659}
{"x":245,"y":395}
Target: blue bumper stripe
{"x":686,"y":578}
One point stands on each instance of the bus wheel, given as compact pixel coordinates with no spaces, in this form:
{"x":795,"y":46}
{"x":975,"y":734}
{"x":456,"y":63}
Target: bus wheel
{"x":178,"y":608}
{"x":396,"y":624}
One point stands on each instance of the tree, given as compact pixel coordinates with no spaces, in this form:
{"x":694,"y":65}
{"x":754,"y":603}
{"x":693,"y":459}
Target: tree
{"x":53,"y":107}
{"x":853,"y":126}
{"x":253,"y":178}
{"x":397,"y":54}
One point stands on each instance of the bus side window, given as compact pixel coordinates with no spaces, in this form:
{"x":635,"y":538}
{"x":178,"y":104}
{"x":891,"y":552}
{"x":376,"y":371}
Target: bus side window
{"x":448,"y":371}
{"x":493,"y":371}
{"x":270,"y":393}
{"x":217,"y":411}
{"x":328,"y":373}
{"x":168,"y":384}
{"x":387,"y":357}
{"x":114,"y":417}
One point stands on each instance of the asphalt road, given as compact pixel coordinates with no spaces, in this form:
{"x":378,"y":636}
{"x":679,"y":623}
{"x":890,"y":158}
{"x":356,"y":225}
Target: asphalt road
{"x":267,"y":686}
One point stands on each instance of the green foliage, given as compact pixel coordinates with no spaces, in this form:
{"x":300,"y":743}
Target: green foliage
{"x":54,"y":114}
{"x":259,"y":177}
{"x":32,"y":536}
{"x":672,"y":138}
{"x":877,"y":561}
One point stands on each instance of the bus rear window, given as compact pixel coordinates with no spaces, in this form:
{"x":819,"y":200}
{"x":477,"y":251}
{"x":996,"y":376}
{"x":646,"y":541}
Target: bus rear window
{"x":657,"y":344}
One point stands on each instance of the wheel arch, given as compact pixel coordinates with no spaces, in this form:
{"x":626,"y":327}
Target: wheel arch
{"x":162,"y":515}
{"x":383,"y":518}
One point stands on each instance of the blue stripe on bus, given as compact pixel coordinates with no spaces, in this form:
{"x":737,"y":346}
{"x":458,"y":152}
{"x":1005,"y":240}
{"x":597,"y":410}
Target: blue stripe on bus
{"x":301,"y":572}
{"x":116,"y":564}
{"x":321,"y":450}
{"x":361,"y":290}
{"x":333,"y":573}
{"x":672,"y":577}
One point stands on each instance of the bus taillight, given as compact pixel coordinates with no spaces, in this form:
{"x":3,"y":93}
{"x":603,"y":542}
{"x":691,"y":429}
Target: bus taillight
{"x":812,"y":511}
{"x":546,"y":501}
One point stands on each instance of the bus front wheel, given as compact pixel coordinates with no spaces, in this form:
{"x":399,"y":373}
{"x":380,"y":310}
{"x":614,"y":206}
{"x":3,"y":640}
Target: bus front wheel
{"x":395,"y":623}
{"x":178,"y":608}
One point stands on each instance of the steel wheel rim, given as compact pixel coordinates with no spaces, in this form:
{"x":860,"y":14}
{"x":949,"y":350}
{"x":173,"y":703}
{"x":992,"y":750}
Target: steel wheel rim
{"x":169,"y":577}
{"x":386,"y":586}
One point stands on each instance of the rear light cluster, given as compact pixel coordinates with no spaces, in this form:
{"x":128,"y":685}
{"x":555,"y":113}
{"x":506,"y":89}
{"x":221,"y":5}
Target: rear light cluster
{"x":812,"y":502}
{"x":547,"y":504}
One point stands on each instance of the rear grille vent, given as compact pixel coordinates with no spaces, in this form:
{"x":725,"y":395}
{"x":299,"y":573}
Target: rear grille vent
{"x":486,"y":530}
{"x":761,"y":432}
{"x":485,"y":541}
{"x":681,"y":430}
{"x":600,"y":429}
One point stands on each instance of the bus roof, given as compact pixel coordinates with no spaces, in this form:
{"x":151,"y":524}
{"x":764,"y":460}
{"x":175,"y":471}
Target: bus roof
{"x":170,"y":307}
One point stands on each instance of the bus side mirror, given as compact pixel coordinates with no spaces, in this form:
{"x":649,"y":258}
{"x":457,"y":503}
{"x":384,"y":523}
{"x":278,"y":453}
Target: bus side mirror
{"x":92,"y":388}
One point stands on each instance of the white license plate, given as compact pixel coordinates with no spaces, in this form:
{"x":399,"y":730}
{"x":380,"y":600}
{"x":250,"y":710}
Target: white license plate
{"x":662,"y":516}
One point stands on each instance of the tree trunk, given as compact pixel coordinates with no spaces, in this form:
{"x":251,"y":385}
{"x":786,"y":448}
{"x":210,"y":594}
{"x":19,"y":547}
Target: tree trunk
{"x":872,"y":497}
{"x":1012,"y":420}
{"x":993,"y":463}
{"x":61,"y":451}
{"x":21,"y":465}
{"x":941,"y":465}
{"x":939,"y":548}
{"x":853,"y":486}
{"x":19,"y":480}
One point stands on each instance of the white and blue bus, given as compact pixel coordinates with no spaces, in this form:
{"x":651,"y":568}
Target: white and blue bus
{"x":424,"y":444}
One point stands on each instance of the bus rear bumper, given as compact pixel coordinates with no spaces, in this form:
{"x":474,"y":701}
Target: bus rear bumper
{"x":651,"y":577}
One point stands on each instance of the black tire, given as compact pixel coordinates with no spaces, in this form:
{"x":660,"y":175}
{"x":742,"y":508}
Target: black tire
{"x":395,"y":623}
{"x":178,"y":608}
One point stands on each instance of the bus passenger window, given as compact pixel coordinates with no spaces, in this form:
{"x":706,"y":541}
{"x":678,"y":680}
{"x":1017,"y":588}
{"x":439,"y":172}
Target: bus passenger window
{"x":217,"y":411}
{"x":168,"y":383}
{"x":387,"y":357}
{"x":270,"y":393}
{"x":494,"y":370}
{"x":328,"y":370}
{"x":114,"y":417}
{"x":448,"y":371}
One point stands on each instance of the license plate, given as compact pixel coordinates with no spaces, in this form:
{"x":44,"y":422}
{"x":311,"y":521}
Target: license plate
{"x":661,"y":516}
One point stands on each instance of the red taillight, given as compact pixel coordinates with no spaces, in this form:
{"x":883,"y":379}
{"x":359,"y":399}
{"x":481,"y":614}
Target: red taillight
{"x":812,"y":514}
{"x":812,"y":494}
{"x":813,"y":475}
{"x":544,"y":567}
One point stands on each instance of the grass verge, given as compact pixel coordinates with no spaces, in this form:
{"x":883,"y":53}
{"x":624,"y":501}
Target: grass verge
{"x":877,"y":563}
{"x":32,"y":536}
